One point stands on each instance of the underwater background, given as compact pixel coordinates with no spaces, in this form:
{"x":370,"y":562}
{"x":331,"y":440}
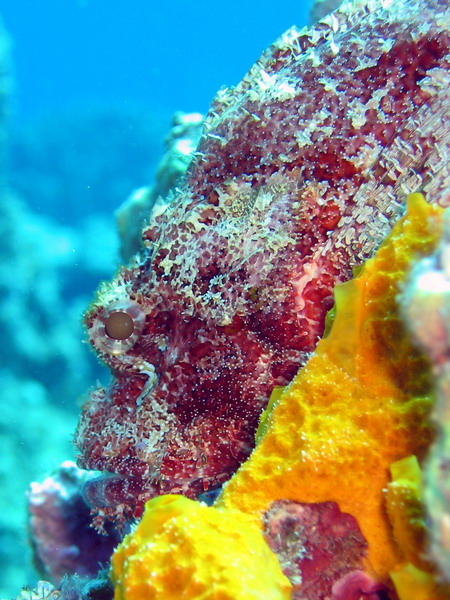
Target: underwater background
{"x":87,"y":93}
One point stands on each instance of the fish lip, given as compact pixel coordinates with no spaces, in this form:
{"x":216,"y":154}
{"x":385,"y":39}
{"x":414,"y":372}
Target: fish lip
{"x":109,"y":490}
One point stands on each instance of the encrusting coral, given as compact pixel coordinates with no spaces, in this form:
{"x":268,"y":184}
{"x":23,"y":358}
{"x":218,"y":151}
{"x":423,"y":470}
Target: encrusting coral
{"x":359,"y":405}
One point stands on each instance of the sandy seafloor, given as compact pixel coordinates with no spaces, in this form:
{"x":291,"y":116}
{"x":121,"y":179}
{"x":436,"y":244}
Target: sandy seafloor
{"x":87,"y":91}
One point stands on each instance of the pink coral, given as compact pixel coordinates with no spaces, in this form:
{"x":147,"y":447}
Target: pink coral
{"x":358,"y":586}
{"x":300,"y":173}
{"x":59,"y":526}
{"x":319,"y":548}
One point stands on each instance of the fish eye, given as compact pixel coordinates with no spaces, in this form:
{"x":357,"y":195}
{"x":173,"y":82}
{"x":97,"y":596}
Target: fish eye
{"x":117,"y":327}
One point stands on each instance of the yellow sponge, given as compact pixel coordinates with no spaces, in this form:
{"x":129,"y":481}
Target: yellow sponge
{"x":184,"y":549}
{"x":360,"y":403}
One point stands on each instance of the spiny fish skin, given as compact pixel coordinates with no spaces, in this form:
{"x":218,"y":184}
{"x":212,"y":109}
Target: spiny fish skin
{"x":300,"y":173}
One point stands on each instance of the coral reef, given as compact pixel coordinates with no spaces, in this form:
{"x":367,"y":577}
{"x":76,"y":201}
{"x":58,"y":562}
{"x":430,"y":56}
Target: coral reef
{"x":71,"y":588}
{"x":44,"y":364}
{"x":54,"y":249}
{"x":315,"y":485}
{"x":426,"y":306}
{"x":45,"y":274}
{"x":35,"y":437}
{"x":32,"y":339}
{"x":300,"y":173}
{"x":58,"y":518}
{"x":44,"y":590}
{"x":53,"y":273}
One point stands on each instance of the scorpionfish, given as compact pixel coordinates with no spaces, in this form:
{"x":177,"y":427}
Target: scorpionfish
{"x":301,"y":171}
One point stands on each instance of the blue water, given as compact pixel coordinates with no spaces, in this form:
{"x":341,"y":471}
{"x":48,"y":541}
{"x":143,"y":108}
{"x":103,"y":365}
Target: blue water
{"x":95,"y":83}
{"x":172,"y":56}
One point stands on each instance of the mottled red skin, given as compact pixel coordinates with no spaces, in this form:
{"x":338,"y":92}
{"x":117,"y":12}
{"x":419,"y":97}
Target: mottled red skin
{"x":300,"y":173}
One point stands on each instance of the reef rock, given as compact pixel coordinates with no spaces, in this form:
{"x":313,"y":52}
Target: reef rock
{"x":426,"y":307}
{"x":59,"y":527}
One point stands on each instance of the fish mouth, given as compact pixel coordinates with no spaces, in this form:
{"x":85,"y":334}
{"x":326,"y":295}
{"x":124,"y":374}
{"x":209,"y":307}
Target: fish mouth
{"x":117,"y":495}
{"x":111,"y":490}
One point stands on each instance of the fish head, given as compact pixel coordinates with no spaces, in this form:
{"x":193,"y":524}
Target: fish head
{"x":194,"y":341}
